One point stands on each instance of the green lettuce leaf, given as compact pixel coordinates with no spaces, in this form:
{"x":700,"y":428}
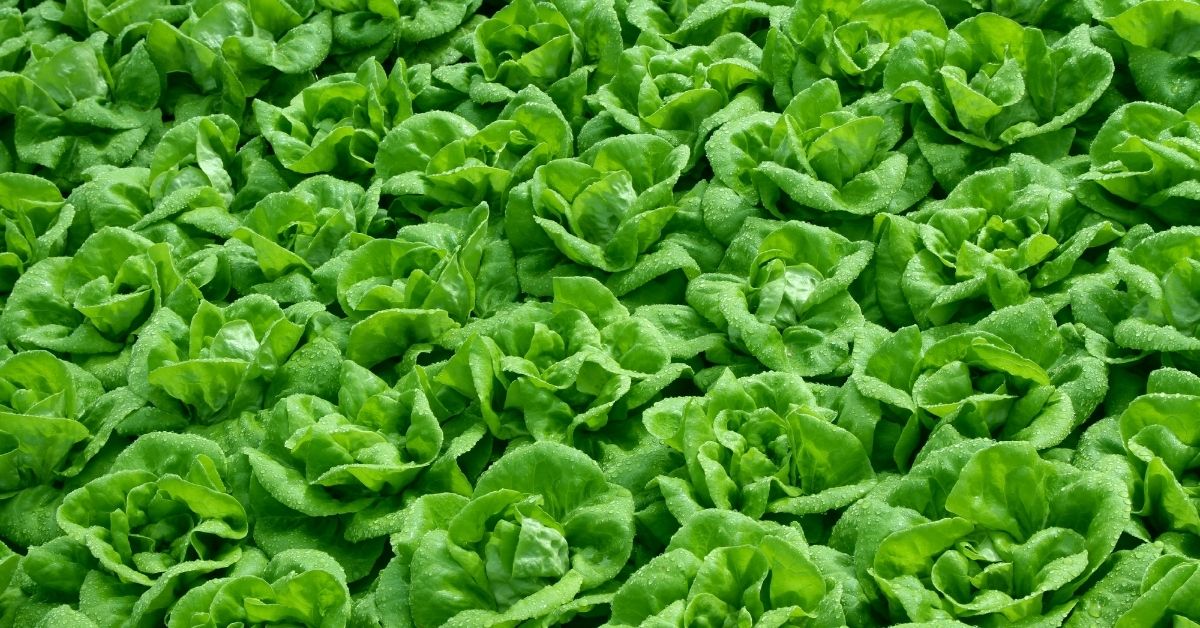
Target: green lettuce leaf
{"x":681,"y":95}
{"x":564,"y":47}
{"x":602,"y":210}
{"x":438,"y":159}
{"x":94,"y":302}
{"x":698,"y":22}
{"x":1167,"y":594}
{"x":291,"y":234}
{"x":219,"y":362}
{"x":360,"y":455}
{"x":1146,"y":300}
{"x":1163,"y":56}
{"x":69,"y":113}
{"x":47,"y":417}
{"x":850,"y":42}
{"x":117,"y":517}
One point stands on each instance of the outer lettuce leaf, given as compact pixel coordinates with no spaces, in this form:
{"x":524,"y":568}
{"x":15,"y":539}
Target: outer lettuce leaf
{"x":1117,"y":589}
{"x":1167,"y":594}
{"x":1163,"y":56}
{"x":278,"y":529}
{"x":119,"y":198}
{"x":1058,"y":15}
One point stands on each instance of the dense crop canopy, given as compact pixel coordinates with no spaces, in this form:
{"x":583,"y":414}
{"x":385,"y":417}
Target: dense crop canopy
{"x":600,"y":313}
